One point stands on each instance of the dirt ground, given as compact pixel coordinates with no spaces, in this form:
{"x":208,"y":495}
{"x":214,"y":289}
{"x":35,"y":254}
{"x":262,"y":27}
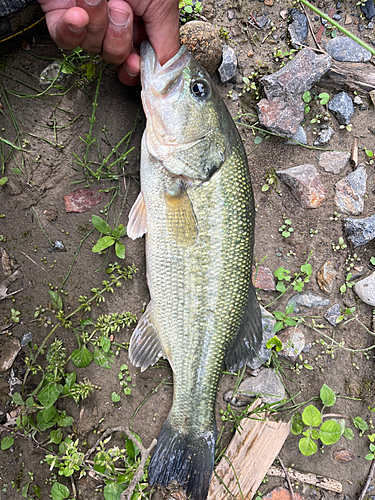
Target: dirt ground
{"x":49,"y":173}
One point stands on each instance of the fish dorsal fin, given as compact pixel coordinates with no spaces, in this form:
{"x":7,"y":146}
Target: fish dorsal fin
{"x":181,"y":220}
{"x":145,"y":347}
{"x":137,"y":219}
{"x":246,"y":344}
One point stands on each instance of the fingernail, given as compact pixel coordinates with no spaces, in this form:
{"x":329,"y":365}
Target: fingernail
{"x":92,"y":3}
{"x":76,"y":29}
{"x":118,"y":17}
{"x":132,"y":72}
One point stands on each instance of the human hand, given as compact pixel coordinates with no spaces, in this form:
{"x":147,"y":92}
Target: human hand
{"x":111,"y":29}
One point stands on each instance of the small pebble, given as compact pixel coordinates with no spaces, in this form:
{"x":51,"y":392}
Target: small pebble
{"x":316,"y":18}
{"x":337,"y":17}
{"x":370,"y":25}
{"x":324,"y":22}
{"x":338,"y":5}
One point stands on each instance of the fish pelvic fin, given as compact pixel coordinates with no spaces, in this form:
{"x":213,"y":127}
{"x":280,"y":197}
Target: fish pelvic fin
{"x":187,"y":458}
{"x":181,"y":220}
{"x":145,"y":347}
{"x":137,"y":219}
{"x":246,"y":344}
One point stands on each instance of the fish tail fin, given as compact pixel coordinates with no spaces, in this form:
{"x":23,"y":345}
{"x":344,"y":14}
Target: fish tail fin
{"x":186,"y":458}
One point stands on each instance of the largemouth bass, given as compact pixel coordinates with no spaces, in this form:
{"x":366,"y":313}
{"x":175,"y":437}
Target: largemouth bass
{"x":196,"y":208}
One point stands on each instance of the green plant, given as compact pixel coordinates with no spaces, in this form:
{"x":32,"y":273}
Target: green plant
{"x":271,"y":182}
{"x":312,"y":426}
{"x":348,"y":283}
{"x":307,"y":97}
{"x":286,"y":229}
{"x":284,"y":319}
{"x":112,"y":237}
{"x":223,"y":33}
{"x":189,"y":10}
{"x":15,"y":315}
{"x":371,"y":455}
{"x":297,"y":281}
{"x":340,"y":246}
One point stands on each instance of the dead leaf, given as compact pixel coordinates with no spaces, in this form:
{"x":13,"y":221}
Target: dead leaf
{"x":5,"y":284}
{"x":9,"y":264}
{"x":82,"y":200}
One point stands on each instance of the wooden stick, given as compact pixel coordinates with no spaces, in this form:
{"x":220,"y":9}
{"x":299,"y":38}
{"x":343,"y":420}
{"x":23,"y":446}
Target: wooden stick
{"x":349,"y":76}
{"x":286,"y":477}
{"x":308,"y":478}
{"x":370,"y":476}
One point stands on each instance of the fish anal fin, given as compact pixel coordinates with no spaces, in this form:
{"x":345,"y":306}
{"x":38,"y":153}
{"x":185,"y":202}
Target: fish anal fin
{"x":137,"y":219}
{"x":145,"y":347}
{"x":181,"y":220}
{"x":246,"y":344}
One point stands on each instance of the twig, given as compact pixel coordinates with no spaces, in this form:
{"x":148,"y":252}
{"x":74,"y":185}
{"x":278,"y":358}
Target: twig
{"x":369,"y":478}
{"x":41,"y":267}
{"x":312,"y":31}
{"x":286,"y":477}
{"x":307,"y":478}
{"x":354,"y":157}
{"x":145,"y":452}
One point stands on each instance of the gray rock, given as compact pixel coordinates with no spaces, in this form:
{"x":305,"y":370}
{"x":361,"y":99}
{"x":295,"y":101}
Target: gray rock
{"x":309,"y":299}
{"x":298,"y":28}
{"x":357,"y":100}
{"x":307,"y":348}
{"x":365,"y":289}
{"x":231,"y":14}
{"x":350,"y":192}
{"x":333,"y":161}
{"x":9,"y":348}
{"x":332,"y":314}
{"x":298,"y":137}
{"x":344,"y":49}
{"x":266,"y":384}
{"x":293,"y":341}
{"x":324,"y":136}
{"x":336,"y":17}
{"x":263,"y":21}
{"x":228,"y":67}
{"x":342,"y":107}
{"x":305,"y":185}
{"x":360,"y":231}
{"x":296,"y":76}
{"x":368,"y":9}
{"x":268,"y":322}
{"x":28,"y":337}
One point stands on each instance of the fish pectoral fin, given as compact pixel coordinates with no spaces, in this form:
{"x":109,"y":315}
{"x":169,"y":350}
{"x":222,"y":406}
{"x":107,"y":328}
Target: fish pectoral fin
{"x":137,"y":219}
{"x":181,"y":220}
{"x":145,"y":347}
{"x":246,"y":344}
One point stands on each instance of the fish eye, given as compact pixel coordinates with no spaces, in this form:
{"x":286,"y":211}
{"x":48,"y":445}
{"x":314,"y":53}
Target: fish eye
{"x":200,"y":89}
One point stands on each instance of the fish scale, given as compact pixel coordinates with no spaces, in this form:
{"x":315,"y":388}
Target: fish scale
{"x":196,"y":207}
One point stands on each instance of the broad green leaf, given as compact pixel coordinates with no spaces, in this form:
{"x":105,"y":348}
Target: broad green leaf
{"x":324,"y":98}
{"x":70,"y":379}
{"x":103,"y":243}
{"x":370,"y":456}
{"x":280,"y":287}
{"x":327,"y":396}
{"x":290,"y":321}
{"x":307,"y":446}
{"x":3,"y":181}
{"x":105,"y":343}
{"x":49,"y":394}
{"x":330,"y":432}
{"x":49,"y":413}
{"x":277,"y":326}
{"x":122,"y":229}
{"x":281,"y":273}
{"x":37,"y":490}
{"x":25,"y":489}
{"x":112,"y":491}
{"x":115,"y":397}
{"x":63,"y":420}
{"x":101,"y":225}
{"x":348,"y":434}
{"x":306,"y":269}
{"x":290,"y":308}
{"x":274,"y":342}
{"x":265,"y":187}
{"x":120,"y":249}
{"x":7,"y":442}
{"x":360,"y":424}
{"x":257,"y":139}
{"x":29,"y":401}
{"x":55,"y":436}
{"x":306,"y":96}
{"x":312,"y":416}
{"x":59,"y":491}
{"x":104,"y":359}
{"x":56,"y":300}
{"x":17,"y":399}
{"x":279,"y":315}
{"x":297,"y":424}
{"x":131,"y":449}
{"x":81,"y":357}
{"x":314,"y":434}
{"x":188,"y":9}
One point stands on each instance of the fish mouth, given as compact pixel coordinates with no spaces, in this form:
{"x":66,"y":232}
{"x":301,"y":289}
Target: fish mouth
{"x":161,"y":79}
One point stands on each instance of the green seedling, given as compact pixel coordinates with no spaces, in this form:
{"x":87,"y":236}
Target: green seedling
{"x":286,"y":229}
{"x":15,"y":315}
{"x":189,"y":10}
{"x":324,"y":98}
{"x":307,"y":97}
{"x":271,"y":182}
{"x":349,"y":311}
{"x":223,"y":33}
{"x":297,"y":281}
{"x":372,"y":261}
{"x":371,"y":455}
{"x":125,"y":379}
{"x":313,"y":427}
{"x":335,"y":216}
{"x":348,"y":283}
{"x":111,"y":238}
{"x":340,"y":246}
{"x":284,"y":319}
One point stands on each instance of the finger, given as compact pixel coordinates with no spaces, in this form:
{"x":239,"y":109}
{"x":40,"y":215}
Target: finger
{"x":67,"y":28}
{"x":97,"y":26}
{"x":128,"y":72}
{"x":161,"y":18}
{"x":118,"y":40}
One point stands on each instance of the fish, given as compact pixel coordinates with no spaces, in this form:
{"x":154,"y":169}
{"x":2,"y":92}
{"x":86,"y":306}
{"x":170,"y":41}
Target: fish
{"x":196,"y":210}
